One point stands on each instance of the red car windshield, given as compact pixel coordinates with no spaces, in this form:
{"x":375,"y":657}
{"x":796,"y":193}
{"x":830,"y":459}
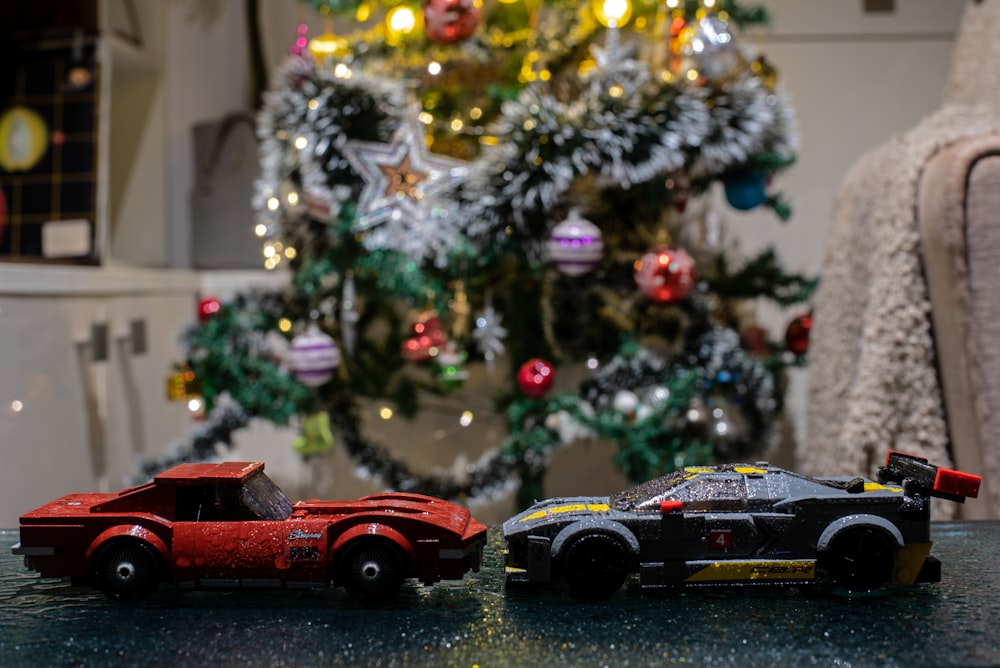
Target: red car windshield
{"x":265,"y":499}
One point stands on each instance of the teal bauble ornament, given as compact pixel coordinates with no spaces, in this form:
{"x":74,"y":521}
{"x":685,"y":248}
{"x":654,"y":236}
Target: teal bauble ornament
{"x":745,"y":190}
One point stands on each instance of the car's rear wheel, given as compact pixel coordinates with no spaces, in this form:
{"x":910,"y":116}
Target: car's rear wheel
{"x":860,"y":559}
{"x":371,"y":569}
{"x":127,"y":570}
{"x":595,"y":565}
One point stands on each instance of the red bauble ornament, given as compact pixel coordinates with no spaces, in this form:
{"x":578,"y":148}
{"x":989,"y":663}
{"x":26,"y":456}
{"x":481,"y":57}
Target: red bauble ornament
{"x":450,"y":21}
{"x":208,"y":307}
{"x":797,"y":334}
{"x":427,"y":341}
{"x":665,"y":275}
{"x":535,"y":377}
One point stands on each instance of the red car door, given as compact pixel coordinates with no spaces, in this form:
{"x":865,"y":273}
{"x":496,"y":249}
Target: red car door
{"x":250,"y":553}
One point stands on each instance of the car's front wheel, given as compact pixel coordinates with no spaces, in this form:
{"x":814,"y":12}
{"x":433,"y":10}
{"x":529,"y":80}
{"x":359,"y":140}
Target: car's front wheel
{"x":595,"y":565}
{"x":370,"y":569}
{"x":127,"y":570}
{"x":860,"y":559}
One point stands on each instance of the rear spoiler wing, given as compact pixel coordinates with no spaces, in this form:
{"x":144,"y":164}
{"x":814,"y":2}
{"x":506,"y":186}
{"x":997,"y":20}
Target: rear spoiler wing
{"x":917,"y":476}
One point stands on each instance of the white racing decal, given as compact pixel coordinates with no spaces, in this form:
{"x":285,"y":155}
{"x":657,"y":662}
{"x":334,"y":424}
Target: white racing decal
{"x":299,"y":534}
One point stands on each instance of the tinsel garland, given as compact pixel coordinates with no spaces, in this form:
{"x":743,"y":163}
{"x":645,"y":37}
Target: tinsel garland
{"x":626,"y":139}
{"x":308,"y":115}
{"x":642,"y":131}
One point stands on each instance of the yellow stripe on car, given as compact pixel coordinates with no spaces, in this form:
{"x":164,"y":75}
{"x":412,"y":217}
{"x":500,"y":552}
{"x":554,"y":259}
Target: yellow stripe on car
{"x":875,"y":487}
{"x":744,"y":470}
{"x":755,"y":570}
{"x":568,"y":508}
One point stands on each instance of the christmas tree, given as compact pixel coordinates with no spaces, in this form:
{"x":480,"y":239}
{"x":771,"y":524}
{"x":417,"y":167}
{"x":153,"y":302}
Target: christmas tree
{"x":525,"y":186}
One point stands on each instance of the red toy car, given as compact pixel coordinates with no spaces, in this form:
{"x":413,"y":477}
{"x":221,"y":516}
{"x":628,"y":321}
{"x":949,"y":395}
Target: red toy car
{"x":228,"y":526}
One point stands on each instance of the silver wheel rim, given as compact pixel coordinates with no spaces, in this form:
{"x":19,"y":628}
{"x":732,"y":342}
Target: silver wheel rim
{"x":125,"y":571}
{"x":370,"y":570}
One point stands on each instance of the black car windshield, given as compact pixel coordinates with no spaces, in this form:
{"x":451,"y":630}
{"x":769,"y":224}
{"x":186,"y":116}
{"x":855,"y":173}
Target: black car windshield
{"x":265,"y":499}
{"x":633,"y":497}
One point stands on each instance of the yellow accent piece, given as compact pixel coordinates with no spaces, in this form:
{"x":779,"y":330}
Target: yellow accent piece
{"x":909,"y":559}
{"x":766,"y":569}
{"x":568,"y":508}
{"x":698,"y":470}
{"x":876,"y":487}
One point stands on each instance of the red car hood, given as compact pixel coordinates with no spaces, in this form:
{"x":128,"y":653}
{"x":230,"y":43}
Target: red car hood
{"x":445,"y":514}
{"x":69,"y":505}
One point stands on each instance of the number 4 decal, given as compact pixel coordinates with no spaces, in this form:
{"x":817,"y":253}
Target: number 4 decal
{"x":720,"y":539}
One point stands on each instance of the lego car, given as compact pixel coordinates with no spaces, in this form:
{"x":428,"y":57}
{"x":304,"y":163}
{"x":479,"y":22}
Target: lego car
{"x":228,"y":525}
{"x":739,"y":525}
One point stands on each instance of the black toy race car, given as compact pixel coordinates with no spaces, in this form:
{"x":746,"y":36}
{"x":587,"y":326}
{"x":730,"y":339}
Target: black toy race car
{"x":739,"y":525}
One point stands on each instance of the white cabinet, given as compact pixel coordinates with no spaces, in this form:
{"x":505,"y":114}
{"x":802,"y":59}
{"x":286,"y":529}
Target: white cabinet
{"x":82,"y":393}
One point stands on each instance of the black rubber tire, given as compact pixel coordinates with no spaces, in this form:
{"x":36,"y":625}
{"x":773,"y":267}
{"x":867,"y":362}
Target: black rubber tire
{"x":127,"y":570}
{"x":595,"y":565}
{"x":370,"y":569}
{"x":860,"y":559}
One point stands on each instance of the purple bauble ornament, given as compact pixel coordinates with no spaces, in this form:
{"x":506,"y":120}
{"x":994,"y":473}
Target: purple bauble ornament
{"x":313,"y":357}
{"x":576,"y":245}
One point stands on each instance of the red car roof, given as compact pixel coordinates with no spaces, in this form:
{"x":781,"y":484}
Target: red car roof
{"x":231,"y":472}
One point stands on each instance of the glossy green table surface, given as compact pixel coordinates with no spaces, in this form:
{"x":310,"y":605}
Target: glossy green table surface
{"x":952,"y":623}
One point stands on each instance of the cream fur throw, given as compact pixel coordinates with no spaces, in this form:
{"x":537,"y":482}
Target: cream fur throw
{"x":873,"y":377}
{"x":873,"y":380}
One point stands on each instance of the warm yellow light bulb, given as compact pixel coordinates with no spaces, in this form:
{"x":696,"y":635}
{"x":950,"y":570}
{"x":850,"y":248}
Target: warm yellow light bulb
{"x":328,"y":45}
{"x":612,"y":13}
{"x":399,"y":22}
